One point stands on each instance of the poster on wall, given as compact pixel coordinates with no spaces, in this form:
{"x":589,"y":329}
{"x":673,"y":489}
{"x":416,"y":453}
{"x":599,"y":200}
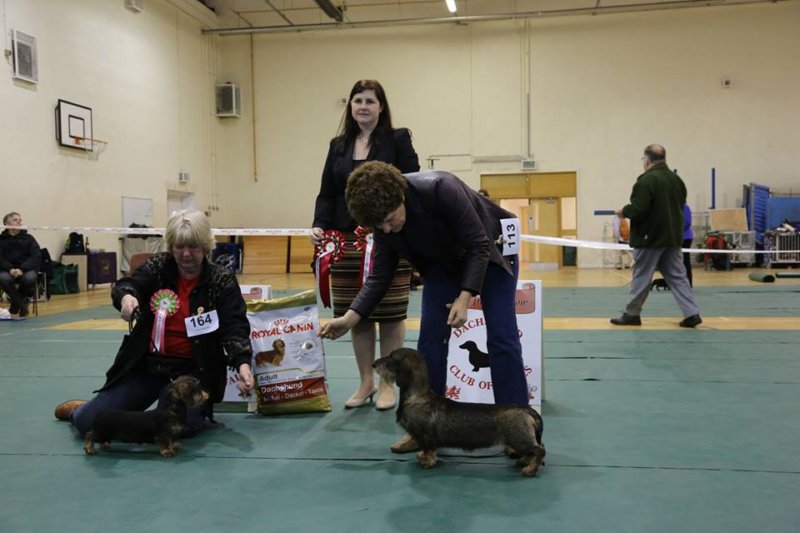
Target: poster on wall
{"x":468,"y":376}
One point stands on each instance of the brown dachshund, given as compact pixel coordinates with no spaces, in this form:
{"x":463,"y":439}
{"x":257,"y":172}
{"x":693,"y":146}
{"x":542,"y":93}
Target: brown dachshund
{"x":436,"y":422}
{"x":274,"y":356}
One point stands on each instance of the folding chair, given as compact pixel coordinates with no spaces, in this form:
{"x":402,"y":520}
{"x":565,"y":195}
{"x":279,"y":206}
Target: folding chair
{"x":41,"y":287}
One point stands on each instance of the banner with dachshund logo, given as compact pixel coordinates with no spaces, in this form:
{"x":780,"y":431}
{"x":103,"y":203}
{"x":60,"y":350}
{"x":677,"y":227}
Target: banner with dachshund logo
{"x":468,"y":377}
{"x":289,"y":362}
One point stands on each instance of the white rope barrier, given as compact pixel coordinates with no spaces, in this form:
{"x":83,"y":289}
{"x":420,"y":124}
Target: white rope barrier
{"x":295,"y":232}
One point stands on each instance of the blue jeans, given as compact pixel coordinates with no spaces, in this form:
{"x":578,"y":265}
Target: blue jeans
{"x":135,"y":392}
{"x":498,"y":297}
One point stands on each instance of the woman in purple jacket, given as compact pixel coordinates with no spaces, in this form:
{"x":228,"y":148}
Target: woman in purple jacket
{"x":688,"y":237}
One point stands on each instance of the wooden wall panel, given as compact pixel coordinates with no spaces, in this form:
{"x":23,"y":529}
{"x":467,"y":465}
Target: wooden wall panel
{"x":505,"y":185}
{"x":551,"y":184}
{"x":265,"y":255}
{"x":302,"y":252}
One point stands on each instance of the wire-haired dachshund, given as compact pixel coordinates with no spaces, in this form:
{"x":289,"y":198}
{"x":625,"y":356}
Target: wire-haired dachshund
{"x":436,"y":422}
{"x":159,"y":426}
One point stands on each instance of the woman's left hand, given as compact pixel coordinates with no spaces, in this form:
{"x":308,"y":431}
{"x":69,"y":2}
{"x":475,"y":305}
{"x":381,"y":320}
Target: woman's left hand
{"x":458,"y":310}
{"x":246,"y":383}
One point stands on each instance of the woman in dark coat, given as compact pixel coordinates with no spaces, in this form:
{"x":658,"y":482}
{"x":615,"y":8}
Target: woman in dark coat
{"x":188,"y":286}
{"x":450,"y":233}
{"x":366,"y":134}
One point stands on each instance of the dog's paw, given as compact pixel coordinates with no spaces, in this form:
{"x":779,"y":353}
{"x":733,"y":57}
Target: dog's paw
{"x":105,"y":445}
{"x":426,"y":459}
{"x":531,"y":465}
{"x":88,"y":449}
{"x":167,"y":452}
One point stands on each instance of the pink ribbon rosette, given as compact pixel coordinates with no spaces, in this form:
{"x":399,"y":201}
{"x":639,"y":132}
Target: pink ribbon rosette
{"x":366,"y":245}
{"x":164,"y":303}
{"x":327,"y":252}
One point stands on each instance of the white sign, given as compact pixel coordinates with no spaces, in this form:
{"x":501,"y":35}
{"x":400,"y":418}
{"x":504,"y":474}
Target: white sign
{"x":202,"y":324}
{"x":469,"y":378}
{"x":509,"y":239}
{"x":232,"y":394}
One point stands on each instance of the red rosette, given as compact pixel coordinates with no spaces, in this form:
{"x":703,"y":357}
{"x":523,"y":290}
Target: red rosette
{"x":329,"y":250}
{"x":365,"y":245}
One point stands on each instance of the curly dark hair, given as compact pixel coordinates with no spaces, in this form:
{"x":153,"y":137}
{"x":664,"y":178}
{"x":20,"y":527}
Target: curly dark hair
{"x":374,"y":190}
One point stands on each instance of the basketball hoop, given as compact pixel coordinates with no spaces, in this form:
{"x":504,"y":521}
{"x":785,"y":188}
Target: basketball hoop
{"x":93,"y":147}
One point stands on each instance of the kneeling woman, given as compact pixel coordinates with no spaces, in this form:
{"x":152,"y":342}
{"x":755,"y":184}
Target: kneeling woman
{"x":191,"y":321}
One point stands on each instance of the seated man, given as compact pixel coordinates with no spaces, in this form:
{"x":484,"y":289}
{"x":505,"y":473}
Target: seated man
{"x":19,"y":261}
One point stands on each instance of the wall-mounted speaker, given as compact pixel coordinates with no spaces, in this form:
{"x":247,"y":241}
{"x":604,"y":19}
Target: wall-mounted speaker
{"x":23,"y":51}
{"x":229,"y":100}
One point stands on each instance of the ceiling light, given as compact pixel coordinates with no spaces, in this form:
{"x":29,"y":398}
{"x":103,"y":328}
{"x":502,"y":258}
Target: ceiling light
{"x":451,"y":5}
{"x":331,"y":10}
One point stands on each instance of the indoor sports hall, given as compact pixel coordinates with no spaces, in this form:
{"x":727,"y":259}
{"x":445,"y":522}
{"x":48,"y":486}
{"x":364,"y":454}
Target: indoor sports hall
{"x":117,"y":113}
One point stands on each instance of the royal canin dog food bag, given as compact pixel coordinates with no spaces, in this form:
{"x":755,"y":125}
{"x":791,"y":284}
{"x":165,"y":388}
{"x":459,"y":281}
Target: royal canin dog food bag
{"x":289,"y":361}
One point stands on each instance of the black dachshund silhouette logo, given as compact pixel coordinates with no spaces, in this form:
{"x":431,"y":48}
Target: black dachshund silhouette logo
{"x":477,"y":358}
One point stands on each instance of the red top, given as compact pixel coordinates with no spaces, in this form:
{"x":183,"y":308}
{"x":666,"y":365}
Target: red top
{"x":176,"y":342}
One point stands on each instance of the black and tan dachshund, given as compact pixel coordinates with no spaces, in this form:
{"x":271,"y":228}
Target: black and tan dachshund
{"x":159,"y":426}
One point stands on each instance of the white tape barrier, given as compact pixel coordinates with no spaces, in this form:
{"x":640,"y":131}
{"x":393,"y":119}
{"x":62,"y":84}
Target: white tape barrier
{"x":576,"y":243}
{"x":160,"y":231}
{"x":556,"y":241}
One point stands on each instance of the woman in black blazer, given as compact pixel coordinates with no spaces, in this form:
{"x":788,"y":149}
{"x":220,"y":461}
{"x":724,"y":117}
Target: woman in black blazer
{"x":365,"y":134}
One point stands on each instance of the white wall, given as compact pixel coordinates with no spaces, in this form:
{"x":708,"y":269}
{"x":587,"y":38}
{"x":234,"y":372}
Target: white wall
{"x":606,"y":87}
{"x":147,"y":79}
{"x":602,"y":88}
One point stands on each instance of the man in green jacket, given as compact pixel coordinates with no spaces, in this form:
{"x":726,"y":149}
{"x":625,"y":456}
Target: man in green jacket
{"x":656,"y":214}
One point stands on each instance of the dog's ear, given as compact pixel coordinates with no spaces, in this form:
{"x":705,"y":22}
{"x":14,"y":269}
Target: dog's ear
{"x":402,"y":373}
{"x":173,"y":390}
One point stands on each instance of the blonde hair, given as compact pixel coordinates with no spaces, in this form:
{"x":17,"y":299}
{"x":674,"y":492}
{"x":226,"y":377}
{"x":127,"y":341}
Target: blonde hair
{"x":190,"y":228}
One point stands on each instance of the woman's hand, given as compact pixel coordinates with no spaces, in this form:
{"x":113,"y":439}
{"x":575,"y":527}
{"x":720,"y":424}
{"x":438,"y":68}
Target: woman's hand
{"x":316,"y":235}
{"x":246,"y":383}
{"x":458,"y":310}
{"x":339,"y":326}
{"x":127,"y":306}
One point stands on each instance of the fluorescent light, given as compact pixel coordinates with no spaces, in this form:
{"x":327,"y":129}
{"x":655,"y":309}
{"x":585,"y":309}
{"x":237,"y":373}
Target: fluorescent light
{"x":451,"y":5}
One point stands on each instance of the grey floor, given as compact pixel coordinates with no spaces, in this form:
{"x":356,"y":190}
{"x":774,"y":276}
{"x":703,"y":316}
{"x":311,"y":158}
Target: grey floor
{"x":646,"y":430}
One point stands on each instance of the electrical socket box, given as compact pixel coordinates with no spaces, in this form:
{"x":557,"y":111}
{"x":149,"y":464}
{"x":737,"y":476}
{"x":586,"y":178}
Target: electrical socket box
{"x":528,"y":164}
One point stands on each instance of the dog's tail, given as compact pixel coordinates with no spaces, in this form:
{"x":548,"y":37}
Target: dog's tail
{"x":538,"y":424}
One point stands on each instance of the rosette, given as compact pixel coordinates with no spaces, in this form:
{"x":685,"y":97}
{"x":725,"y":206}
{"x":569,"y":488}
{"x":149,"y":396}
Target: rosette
{"x":365,"y":244}
{"x":329,"y":250}
{"x":163,"y":303}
